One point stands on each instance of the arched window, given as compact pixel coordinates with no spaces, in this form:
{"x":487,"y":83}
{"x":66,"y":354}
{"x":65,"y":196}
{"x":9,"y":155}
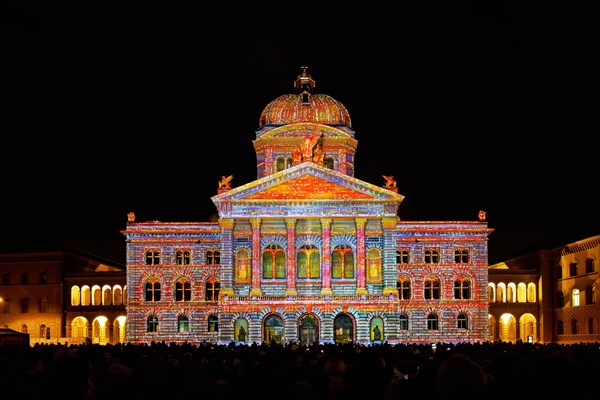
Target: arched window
{"x":374,"y":265}
{"x":575,"y":298}
{"x":342,"y":262}
{"x":213,"y":287}
{"x":152,"y":324}
{"x":343,"y":329}
{"x":183,"y":324}
{"x":521,"y":292}
{"x":404,"y":288}
{"x":491,"y":295}
{"x":511,"y":292}
{"x":242,"y":266}
{"x":308,"y":330}
{"x":589,"y":266}
{"x":274,"y":262}
{"x":462,"y":321}
{"x":240,"y":330}
{"x":274,"y":332}
{"x":75,"y":296}
{"x":403,"y":322}
{"x":462,"y":289}
{"x":402,"y":256}
{"x":329,"y":162}
{"x":531,"y":294}
{"x":152,"y":257}
{"x":152,"y":290}
{"x":501,"y":292}
{"x":106,"y":295}
{"x":213,"y":323}
{"x":432,"y":322}
{"x":183,"y":257}
{"x":44,"y":332}
{"x":183,"y":289}
{"x":308,"y":263}
{"x":573,"y":271}
{"x":432,"y":256}
{"x":376,"y":328}
{"x":117,"y":295}
{"x":461,"y":256}
{"x":86,"y":295}
{"x":44,"y":304}
{"x":213,"y":257}
{"x":574,"y":327}
{"x":432,"y":288}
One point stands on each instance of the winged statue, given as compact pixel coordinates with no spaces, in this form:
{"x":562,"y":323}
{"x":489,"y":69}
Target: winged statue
{"x":224,"y":183}
{"x":389,"y":181}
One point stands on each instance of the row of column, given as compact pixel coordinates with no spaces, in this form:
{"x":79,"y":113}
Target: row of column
{"x":227,"y":256}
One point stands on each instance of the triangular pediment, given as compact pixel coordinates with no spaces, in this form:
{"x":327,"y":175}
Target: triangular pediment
{"x":308,"y":187}
{"x":308,"y":181}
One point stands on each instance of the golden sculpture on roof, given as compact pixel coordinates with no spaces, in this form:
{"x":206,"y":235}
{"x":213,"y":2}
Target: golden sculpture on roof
{"x":225,"y":182}
{"x":390,"y":182}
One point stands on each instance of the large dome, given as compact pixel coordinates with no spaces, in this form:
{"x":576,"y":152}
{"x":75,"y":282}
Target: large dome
{"x":305,"y":106}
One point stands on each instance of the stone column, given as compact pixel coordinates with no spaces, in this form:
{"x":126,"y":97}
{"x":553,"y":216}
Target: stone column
{"x":389,"y":225}
{"x":326,"y":257}
{"x":227,"y":266}
{"x":290,"y":224}
{"x":360,"y":256}
{"x":256,"y":273}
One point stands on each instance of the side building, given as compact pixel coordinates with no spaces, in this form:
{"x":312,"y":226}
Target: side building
{"x":307,"y":253}
{"x":547,"y":295}
{"x":62,"y":296}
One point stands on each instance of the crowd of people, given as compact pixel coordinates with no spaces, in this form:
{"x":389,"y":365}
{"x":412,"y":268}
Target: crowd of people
{"x":488,"y":370}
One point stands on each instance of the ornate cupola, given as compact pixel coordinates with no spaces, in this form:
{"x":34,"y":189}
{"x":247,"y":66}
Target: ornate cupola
{"x":304,"y":127}
{"x":304,"y":85}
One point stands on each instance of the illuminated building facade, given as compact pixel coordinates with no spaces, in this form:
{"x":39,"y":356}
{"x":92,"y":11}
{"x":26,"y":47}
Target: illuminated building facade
{"x":62,"y":296}
{"x":547,"y":295}
{"x":307,"y":253}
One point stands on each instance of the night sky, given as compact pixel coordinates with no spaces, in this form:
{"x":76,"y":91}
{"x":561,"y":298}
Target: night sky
{"x":471,"y":105}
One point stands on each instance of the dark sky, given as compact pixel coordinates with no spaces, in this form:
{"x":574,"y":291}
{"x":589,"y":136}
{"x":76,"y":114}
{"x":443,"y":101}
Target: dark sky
{"x":471,"y":105}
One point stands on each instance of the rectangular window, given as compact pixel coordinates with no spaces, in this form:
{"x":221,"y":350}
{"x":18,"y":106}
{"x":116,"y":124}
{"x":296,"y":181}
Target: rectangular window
{"x":432,"y":256}
{"x":152,"y":257}
{"x":402,"y":256}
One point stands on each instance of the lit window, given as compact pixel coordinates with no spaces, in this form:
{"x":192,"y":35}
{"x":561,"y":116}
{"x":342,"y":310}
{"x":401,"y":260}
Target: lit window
{"x":342,"y":262}
{"x":213,"y":287}
{"x":274,"y":262}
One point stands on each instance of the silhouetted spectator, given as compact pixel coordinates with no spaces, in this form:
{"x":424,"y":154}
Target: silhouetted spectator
{"x":459,"y":377}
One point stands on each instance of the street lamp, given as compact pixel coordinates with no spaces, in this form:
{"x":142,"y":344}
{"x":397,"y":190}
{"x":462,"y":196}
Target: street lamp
{"x":1,"y":311}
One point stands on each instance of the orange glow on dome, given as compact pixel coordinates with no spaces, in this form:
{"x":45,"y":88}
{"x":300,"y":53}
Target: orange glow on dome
{"x":291,"y":109}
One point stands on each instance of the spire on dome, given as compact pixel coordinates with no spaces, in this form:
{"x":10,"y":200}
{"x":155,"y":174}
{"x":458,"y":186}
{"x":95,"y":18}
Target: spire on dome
{"x":304,"y":84}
